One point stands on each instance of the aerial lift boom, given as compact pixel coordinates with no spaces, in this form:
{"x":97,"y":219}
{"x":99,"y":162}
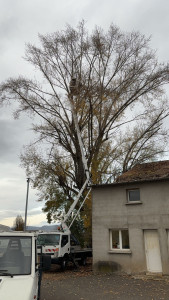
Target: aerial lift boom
{"x":88,"y":177}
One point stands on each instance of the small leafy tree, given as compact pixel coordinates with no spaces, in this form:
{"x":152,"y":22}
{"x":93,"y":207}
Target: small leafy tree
{"x":19,"y":223}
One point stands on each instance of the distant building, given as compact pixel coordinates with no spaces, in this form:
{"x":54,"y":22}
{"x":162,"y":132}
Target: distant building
{"x":131,"y":221}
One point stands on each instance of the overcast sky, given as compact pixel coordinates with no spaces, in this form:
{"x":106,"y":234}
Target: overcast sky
{"x":20,"y":23}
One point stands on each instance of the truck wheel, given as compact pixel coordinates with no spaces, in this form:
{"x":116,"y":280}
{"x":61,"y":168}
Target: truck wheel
{"x":83,"y":261}
{"x":63,"y":264}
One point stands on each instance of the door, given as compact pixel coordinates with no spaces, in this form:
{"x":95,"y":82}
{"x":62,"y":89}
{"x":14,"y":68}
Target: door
{"x":152,"y":248}
{"x":65,"y":245}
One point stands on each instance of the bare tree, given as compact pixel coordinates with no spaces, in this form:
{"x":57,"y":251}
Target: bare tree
{"x":19,"y":223}
{"x":107,"y":76}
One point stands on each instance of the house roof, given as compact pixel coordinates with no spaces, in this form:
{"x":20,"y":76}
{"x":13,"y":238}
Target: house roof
{"x":146,"y":172}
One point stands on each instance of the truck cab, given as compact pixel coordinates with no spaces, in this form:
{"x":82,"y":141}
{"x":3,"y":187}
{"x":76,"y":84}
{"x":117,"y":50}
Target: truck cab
{"x":55,"y":244}
{"x":19,"y":274}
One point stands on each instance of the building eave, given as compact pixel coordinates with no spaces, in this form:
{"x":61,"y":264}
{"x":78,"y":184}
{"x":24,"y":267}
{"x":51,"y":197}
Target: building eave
{"x":134,"y":182}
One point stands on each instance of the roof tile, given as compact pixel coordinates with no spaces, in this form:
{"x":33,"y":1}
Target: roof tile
{"x":147,"y":171}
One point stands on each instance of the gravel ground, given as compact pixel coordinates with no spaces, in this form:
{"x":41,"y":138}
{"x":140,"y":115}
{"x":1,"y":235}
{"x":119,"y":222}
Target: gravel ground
{"x":82,"y":284}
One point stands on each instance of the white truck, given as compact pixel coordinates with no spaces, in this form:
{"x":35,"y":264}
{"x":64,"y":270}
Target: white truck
{"x":62,"y":247}
{"x":20,"y":268}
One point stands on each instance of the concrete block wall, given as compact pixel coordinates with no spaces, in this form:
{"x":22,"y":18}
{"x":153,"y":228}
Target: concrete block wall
{"x":111,"y":211}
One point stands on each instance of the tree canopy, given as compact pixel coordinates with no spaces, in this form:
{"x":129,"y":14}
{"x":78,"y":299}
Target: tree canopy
{"x":116,"y":85}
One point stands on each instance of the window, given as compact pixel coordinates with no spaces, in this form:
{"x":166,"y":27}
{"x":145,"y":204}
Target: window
{"x":133,"y":195}
{"x":15,"y":255}
{"x":119,"y":239}
{"x":48,"y":239}
{"x":64,"y":240}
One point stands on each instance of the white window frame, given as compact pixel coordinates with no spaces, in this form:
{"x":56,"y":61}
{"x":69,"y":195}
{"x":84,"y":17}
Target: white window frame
{"x":120,"y":249}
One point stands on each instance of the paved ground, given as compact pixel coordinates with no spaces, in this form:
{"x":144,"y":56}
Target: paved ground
{"x":84,"y":285}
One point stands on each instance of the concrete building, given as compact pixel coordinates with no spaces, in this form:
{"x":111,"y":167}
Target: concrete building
{"x":131,"y":221}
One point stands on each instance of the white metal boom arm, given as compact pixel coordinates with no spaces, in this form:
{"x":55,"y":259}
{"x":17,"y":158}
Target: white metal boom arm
{"x":75,"y":201}
{"x":84,"y":163}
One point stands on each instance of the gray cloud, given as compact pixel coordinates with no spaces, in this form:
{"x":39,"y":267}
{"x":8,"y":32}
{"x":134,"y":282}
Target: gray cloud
{"x":9,"y":140}
{"x":13,"y":135}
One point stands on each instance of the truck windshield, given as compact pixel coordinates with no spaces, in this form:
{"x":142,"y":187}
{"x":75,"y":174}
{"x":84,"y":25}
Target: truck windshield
{"x":15,"y":255}
{"x":48,"y":239}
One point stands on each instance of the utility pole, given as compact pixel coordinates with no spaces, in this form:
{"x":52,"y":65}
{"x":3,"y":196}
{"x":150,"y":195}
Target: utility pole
{"x":26,"y":207}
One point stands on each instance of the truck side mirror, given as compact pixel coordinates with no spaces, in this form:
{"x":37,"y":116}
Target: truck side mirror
{"x":46,"y":262}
